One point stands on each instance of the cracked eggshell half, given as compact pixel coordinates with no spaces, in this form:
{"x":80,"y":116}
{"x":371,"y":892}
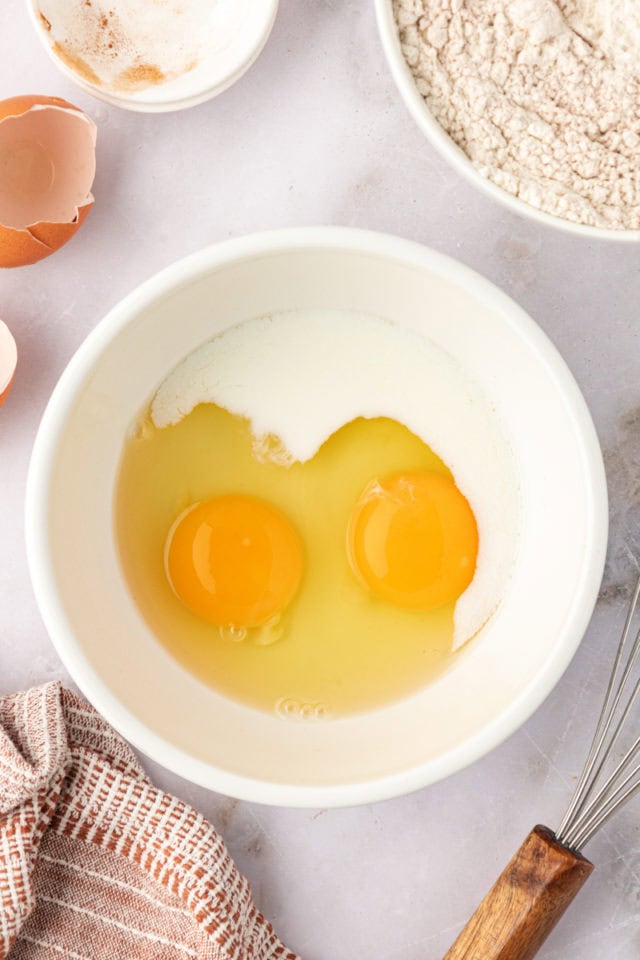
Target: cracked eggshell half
{"x":8,"y":360}
{"x":47,"y":168}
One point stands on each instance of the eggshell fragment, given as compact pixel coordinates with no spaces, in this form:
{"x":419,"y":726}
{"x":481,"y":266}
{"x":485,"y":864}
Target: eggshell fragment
{"x":47,"y":168}
{"x":8,"y":360}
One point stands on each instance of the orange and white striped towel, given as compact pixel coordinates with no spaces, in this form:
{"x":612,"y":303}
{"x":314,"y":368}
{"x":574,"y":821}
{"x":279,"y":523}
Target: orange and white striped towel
{"x":95,"y":863}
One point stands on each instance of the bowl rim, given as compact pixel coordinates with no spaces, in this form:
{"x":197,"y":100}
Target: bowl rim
{"x":159,"y":106}
{"x":443,"y":143}
{"x":184,"y":272}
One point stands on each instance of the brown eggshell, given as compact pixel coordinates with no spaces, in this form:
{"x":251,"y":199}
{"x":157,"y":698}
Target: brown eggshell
{"x":16,"y":106}
{"x":61,"y":140}
{"x":8,"y":360}
{"x":19,"y":248}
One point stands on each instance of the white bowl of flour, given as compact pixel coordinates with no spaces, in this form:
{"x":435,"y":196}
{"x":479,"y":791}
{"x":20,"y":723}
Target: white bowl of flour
{"x":537,"y":102}
{"x":154,"y":55}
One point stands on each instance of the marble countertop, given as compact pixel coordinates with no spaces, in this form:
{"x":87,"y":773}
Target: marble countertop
{"x":316,"y":133}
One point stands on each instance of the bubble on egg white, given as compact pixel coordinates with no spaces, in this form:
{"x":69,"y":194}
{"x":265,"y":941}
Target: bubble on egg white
{"x":235,"y":634}
{"x":270,"y":632}
{"x":263,"y":636}
{"x":290,"y":708}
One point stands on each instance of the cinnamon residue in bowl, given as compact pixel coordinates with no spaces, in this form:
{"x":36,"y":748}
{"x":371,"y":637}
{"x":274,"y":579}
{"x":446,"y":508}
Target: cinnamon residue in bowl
{"x":128,"y":45}
{"x":141,"y":75}
{"x":80,"y":66}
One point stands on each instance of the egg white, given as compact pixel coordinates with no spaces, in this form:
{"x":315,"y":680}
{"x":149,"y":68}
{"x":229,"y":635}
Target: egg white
{"x":302,"y":375}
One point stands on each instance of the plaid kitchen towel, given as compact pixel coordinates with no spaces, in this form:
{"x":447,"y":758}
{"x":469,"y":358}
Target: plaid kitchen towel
{"x":95,"y":863}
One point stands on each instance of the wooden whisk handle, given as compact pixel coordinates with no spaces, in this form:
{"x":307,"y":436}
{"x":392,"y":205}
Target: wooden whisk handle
{"x":525,"y":903}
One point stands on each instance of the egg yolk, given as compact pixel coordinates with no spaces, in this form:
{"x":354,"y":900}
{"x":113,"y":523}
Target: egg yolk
{"x":234,"y":560}
{"x":413,"y":540}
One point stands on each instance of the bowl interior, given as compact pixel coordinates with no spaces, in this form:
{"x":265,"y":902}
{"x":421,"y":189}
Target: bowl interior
{"x":496,"y":680}
{"x":243,"y":27}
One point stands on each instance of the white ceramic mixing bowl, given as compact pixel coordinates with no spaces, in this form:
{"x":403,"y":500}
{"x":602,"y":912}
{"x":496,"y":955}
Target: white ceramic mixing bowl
{"x":492,"y":685}
{"x":452,"y":152}
{"x":252,"y":22}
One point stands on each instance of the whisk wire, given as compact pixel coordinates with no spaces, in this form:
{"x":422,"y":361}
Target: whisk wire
{"x":606,"y":746}
{"x":587,"y":813}
{"x":601,"y":796}
{"x":614,"y":706}
{"x":616,"y":801}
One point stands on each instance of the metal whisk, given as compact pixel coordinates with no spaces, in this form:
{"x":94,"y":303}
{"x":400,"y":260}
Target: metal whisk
{"x":544,"y":876}
{"x":589,"y":809}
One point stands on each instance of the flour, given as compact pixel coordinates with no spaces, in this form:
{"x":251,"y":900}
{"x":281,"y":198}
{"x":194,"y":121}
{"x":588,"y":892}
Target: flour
{"x":542,"y":95}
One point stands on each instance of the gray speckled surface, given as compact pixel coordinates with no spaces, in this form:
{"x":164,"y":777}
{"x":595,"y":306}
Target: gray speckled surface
{"x":316,"y":133}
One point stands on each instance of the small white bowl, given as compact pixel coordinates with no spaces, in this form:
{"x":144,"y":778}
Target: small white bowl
{"x":491,"y":686}
{"x":212,"y":76}
{"x":451,"y":151}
